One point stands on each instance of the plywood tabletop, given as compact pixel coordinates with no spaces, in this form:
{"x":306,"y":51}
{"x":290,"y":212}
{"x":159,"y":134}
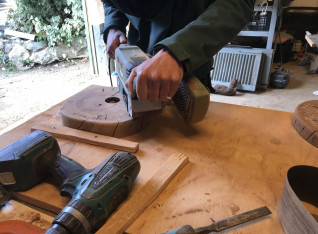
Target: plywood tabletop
{"x":238,"y":159}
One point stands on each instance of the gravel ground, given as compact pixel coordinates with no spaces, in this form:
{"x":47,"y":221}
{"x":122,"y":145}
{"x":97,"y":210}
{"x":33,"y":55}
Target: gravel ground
{"x":24,"y":94}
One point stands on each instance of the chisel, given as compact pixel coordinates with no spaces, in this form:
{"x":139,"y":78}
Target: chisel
{"x":224,"y":223}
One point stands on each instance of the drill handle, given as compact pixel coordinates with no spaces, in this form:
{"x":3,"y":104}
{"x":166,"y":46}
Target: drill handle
{"x":66,"y":170}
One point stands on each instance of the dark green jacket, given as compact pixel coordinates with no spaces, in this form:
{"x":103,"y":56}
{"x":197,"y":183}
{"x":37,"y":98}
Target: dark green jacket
{"x":193,"y":30}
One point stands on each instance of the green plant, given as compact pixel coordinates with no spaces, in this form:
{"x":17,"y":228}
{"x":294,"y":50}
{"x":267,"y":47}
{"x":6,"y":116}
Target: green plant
{"x":27,"y":61}
{"x":5,"y":62}
{"x":51,"y":20}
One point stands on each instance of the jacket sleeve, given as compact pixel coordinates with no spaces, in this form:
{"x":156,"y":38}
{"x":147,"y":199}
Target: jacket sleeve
{"x":198,"y":41}
{"x":113,"y":19}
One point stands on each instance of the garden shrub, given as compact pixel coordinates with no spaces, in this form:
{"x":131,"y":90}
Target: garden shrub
{"x":51,"y":20}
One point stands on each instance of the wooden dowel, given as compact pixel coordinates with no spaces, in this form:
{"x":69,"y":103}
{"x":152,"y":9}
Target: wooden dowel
{"x":88,"y":137}
{"x":19,"y":34}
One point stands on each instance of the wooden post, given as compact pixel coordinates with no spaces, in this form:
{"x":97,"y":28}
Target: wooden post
{"x":93,"y":16}
{"x":87,"y":32}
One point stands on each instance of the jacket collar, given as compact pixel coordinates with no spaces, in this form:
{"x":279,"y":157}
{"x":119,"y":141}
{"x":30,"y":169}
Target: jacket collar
{"x":144,"y":9}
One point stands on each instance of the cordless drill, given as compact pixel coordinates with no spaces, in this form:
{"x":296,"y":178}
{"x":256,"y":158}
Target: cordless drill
{"x":94,"y":193}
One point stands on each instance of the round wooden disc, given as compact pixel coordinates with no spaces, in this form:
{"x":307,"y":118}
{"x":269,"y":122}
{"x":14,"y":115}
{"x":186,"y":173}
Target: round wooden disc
{"x":19,"y":227}
{"x":305,"y":121}
{"x":100,"y":110}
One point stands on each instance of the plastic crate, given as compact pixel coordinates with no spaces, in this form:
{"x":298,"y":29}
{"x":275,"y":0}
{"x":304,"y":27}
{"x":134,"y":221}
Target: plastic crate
{"x":259,"y":21}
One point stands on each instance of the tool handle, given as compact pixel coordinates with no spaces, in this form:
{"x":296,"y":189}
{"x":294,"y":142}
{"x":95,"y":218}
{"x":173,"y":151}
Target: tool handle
{"x":224,"y":223}
{"x":115,"y":74}
{"x":130,"y":65}
{"x":186,"y":229}
{"x":65,"y":170}
{"x":237,"y":219}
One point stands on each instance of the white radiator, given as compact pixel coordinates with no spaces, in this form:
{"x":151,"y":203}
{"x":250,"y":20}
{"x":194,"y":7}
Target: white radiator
{"x":243,"y":64}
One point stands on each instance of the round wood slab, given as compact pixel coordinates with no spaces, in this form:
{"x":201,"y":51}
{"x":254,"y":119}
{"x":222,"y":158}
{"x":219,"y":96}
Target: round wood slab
{"x":100,"y":110}
{"x":300,"y":186}
{"x":305,"y":121}
{"x":19,"y":227}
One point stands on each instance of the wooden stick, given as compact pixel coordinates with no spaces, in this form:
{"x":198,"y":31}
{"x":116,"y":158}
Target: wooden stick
{"x":310,"y":41}
{"x":19,"y":34}
{"x":130,"y":210}
{"x":309,"y":38}
{"x":88,"y":137}
{"x":40,"y":197}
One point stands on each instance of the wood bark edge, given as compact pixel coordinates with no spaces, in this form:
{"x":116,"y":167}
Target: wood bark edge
{"x":294,"y":217}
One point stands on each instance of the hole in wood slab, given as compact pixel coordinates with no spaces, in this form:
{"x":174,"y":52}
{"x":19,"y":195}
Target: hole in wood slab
{"x":112,"y":100}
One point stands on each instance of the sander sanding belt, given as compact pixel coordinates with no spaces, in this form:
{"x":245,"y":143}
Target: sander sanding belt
{"x":300,"y":185}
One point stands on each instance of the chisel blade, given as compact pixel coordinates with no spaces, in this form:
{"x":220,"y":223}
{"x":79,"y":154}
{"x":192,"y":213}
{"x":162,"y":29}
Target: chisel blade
{"x":235,"y":220}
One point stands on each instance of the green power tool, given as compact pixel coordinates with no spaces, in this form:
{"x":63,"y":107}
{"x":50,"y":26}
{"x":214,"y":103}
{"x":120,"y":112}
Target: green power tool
{"x":191,"y":99}
{"x":94,"y":193}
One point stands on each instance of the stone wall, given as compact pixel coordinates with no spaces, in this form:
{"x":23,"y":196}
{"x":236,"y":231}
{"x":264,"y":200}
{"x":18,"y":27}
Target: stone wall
{"x":24,"y":54}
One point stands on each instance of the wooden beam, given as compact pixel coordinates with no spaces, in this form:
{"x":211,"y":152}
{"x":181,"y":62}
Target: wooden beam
{"x":94,"y":15}
{"x":88,"y":137}
{"x":88,"y":39}
{"x":130,"y":210}
{"x":101,"y":58}
{"x":311,"y":39}
{"x":19,"y":34}
{"x":42,"y":196}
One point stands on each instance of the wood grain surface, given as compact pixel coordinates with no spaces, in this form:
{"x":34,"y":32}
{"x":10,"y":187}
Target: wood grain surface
{"x":305,"y":121}
{"x":100,"y":110}
{"x":239,"y":157}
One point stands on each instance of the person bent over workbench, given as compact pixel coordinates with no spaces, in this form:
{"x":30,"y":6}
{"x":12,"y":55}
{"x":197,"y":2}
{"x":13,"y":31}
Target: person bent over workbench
{"x":183,"y":36}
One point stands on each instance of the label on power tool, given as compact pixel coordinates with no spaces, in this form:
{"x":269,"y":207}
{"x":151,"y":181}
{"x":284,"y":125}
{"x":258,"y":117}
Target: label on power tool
{"x":105,"y":176}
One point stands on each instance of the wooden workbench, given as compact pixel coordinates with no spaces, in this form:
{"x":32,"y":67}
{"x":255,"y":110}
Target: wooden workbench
{"x":238,"y":155}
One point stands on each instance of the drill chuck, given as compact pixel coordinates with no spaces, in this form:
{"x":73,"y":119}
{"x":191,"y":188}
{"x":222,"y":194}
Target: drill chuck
{"x":77,"y":217}
{"x":57,"y":229}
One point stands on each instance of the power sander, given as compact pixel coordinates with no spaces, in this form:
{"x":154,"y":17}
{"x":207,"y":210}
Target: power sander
{"x":94,"y":193}
{"x":191,"y":99}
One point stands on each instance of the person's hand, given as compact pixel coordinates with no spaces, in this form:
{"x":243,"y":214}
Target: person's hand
{"x":115,"y":37}
{"x":157,"y":78}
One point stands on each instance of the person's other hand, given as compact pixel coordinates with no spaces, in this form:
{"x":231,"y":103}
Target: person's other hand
{"x":157,"y":78}
{"x":115,"y":37}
